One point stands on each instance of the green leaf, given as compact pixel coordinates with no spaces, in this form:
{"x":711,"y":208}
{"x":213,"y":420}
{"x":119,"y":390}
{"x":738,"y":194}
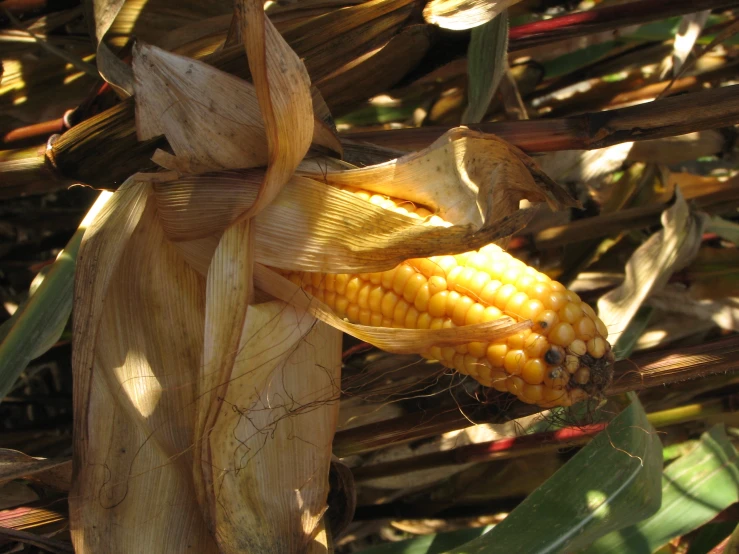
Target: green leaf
{"x":727,"y":230}
{"x":486,"y":65}
{"x":610,"y":484}
{"x":613,"y":482}
{"x":695,"y":488}
{"x":572,"y":61}
{"x":627,"y":341}
{"x":39,"y":322}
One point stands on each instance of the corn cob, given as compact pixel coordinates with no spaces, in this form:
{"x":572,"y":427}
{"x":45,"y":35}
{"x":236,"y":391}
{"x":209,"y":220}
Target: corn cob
{"x":562,"y":359}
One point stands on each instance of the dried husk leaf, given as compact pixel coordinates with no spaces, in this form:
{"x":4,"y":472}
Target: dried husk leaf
{"x":465,"y":176}
{"x":311,"y":226}
{"x":473,"y":180}
{"x":101,"y":14}
{"x":283,"y":89}
{"x":229,"y":290}
{"x":652,"y":264}
{"x":137,"y":345}
{"x":211,"y":119}
{"x":270,"y":443}
{"x":458,"y":15}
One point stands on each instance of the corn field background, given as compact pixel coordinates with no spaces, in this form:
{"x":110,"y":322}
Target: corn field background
{"x":164,"y":389}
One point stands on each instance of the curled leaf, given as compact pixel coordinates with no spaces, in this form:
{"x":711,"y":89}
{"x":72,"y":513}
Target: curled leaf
{"x":459,"y":15}
{"x":650,"y":267}
{"x":283,"y":89}
{"x":101,"y":14}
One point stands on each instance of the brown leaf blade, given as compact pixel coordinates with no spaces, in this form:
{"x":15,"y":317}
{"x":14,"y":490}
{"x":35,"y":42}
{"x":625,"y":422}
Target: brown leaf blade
{"x":283,"y":89}
{"x":210,"y":118}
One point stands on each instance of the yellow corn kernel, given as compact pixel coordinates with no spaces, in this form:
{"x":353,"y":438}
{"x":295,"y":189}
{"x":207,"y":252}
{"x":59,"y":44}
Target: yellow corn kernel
{"x":387,"y":303}
{"x":496,"y":354}
{"x":412,"y":286}
{"x":533,"y":371}
{"x":474,"y":314}
{"x":514,"y":361}
{"x":437,"y":284}
{"x":585,"y":328}
{"x":376,"y":297}
{"x":437,"y":303}
{"x":561,"y":334}
{"x":460,"y":309}
{"x":422,"y":298}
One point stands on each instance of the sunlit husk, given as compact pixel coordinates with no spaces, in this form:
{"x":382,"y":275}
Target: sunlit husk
{"x":138,"y":337}
{"x":473,"y":180}
{"x":459,"y":15}
{"x":269,"y":446}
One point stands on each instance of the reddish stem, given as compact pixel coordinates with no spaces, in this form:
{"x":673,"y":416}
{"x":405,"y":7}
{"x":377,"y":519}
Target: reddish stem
{"x":605,"y":19}
{"x":484,"y":451}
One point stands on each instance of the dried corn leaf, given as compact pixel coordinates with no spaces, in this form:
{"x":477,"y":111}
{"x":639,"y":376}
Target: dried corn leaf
{"x":270,"y":442}
{"x":17,"y":465}
{"x":376,"y":71}
{"x":473,"y":179}
{"x":229,"y":290}
{"x":283,"y":89}
{"x":459,"y":15}
{"x":674,"y":299}
{"x":688,"y":32}
{"x":137,"y":345}
{"x":158,"y":21}
{"x":102,"y":13}
{"x":210,"y":118}
{"x":192,"y":38}
{"x":312,"y":226}
{"x":650,"y":267}
{"x":312,"y":34}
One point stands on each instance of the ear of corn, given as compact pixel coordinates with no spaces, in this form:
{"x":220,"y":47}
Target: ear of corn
{"x":562,"y":359}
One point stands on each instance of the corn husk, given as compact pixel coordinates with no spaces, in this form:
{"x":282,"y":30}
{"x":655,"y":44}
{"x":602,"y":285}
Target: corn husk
{"x":200,"y":99}
{"x":459,"y":15}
